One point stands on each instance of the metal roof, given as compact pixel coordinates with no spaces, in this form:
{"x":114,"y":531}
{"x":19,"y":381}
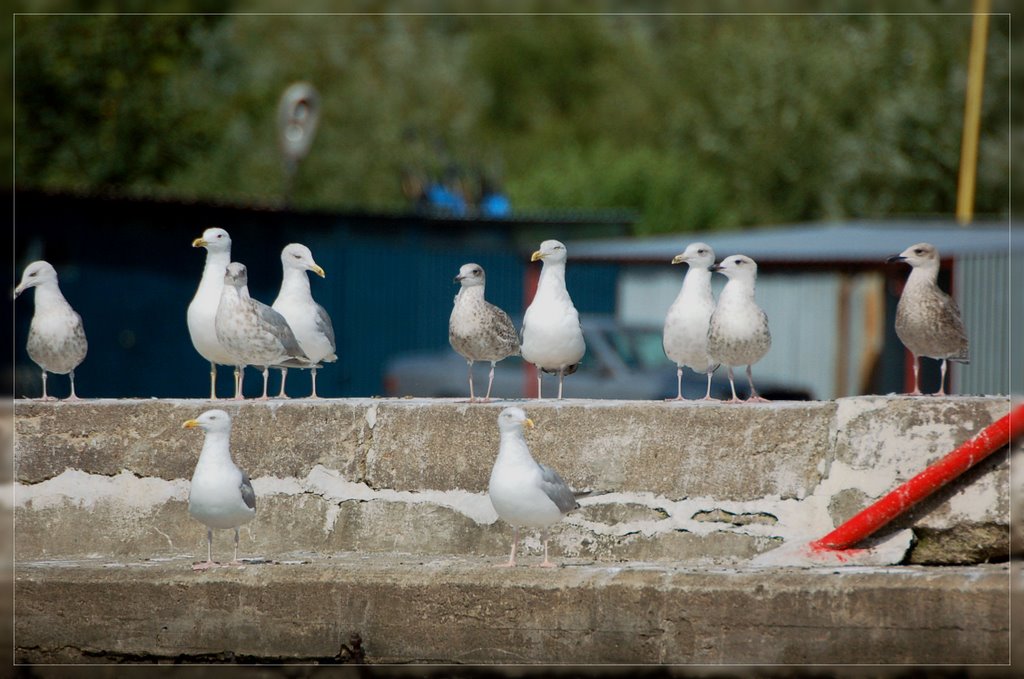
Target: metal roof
{"x":868,"y":242}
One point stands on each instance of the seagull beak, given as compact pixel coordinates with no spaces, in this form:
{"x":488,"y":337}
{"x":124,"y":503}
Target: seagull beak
{"x":318,"y":271}
{"x":535,"y":256}
{"x":529,"y":423}
{"x":457,"y":279}
{"x":190,"y":424}
{"x":199,"y":243}
{"x":17,"y":291}
{"x":715,"y":267}
{"x":679,"y":259}
{"x":896,"y":258}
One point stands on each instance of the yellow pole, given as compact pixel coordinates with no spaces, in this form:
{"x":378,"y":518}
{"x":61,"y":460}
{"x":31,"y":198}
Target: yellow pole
{"x":972,"y":114}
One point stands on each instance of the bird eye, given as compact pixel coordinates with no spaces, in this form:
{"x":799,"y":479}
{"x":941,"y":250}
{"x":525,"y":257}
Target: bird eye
{"x":702,"y":251}
{"x":297,"y":256}
{"x":738,"y":261}
{"x":918,"y":251}
{"x":32,"y":274}
{"x":476,"y":271}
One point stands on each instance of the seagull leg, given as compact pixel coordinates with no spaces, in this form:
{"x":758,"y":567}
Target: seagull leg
{"x":235,"y":561}
{"x":284,"y":374}
{"x":754,"y":396}
{"x":313,"y":373}
{"x":200,"y":565}
{"x":213,"y":381}
{"x":490,"y":381}
{"x":538,"y":384}
{"x":732,"y":386}
{"x":44,"y":397}
{"x":942,"y":381}
{"x":266,"y":376}
{"x":472,"y":398}
{"x":707,"y":395}
{"x":239,"y":376}
{"x":917,"y":389}
{"x":74,"y":397}
{"x":679,"y":385}
{"x":561,"y":375}
{"x":512,"y":557}
{"x":546,"y":563}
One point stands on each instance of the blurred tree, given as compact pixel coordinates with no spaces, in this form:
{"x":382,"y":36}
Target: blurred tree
{"x":697,"y":122}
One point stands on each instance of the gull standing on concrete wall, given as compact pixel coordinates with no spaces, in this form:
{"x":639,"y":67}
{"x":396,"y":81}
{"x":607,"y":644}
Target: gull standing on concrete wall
{"x":253,"y":333}
{"x":307,"y":319}
{"x":552,"y":337}
{"x":202,"y":310}
{"x":220,"y":494}
{"x":56,"y":338}
{"x":927,"y":319}
{"x":738,"y":333}
{"x":523,"y":492}
{"x":478,"y":330}
{"x":685,"y":337}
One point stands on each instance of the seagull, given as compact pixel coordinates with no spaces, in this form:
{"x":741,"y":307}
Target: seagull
{"x":307,"y":319}
{"x":203,"y":308}
{"x":220,"y":495}
{"x":686,"y":325}
{"x":251,"y":331}
{"x":478,"y":330}
{"x":927,"y":319}
{"x":523,"y":492}
{"x":552,"y":337}
{"x":56,"y":339}
{"x":738,"y":333}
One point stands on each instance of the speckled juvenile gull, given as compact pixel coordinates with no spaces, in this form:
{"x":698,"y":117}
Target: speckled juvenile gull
{"x":552,"y":337}
{"x":927,"y":319}
{"x":56,"y":338}
{"x":523,"y":492}
{"x":220,"y":495}
{"x":738,"y":333}
{"x":252,"y":332}
{"x":686,"y":324}
{"x":202,"y":310}
{"x":478,"y":330}
{"x":307,"y":319}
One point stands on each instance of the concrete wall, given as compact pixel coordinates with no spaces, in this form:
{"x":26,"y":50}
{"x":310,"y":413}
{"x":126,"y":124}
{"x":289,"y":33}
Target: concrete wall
{"x":691,"y":483}
{"x":377,"y":540}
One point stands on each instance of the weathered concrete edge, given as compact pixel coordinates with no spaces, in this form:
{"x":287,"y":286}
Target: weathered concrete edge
{"x":474,"y":613}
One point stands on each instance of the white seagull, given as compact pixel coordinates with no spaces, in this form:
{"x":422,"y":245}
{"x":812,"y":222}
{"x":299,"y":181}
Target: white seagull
{"x":552,"y":337}
{"x":253,"y":333}
{"x":927,"y":319}
{"x":307,"y":319}
{"x":738,"y":333}
{"x":220,"y":495}
{"x":202,"y":310}
{"x":56,"y":338}
{"x":686,"y":324}
{"x":523,"y":492}
{"x":478,"y":330}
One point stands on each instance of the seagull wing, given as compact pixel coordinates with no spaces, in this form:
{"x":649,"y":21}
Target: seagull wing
{"x":557,"y":490}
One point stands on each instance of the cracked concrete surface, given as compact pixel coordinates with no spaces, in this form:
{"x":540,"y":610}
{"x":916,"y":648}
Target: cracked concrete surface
{"x":694,"y":484}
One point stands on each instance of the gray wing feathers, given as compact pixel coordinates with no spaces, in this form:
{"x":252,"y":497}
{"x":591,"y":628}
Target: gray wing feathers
{"x":248,"y":495}
{"x":556,"y":489}
{"x":279,"y":326}
{"x":324,"y":325}
{"x":952,"y":323}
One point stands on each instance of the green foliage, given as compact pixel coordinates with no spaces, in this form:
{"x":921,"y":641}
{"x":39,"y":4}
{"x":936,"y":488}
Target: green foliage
{"x":697,"y":122}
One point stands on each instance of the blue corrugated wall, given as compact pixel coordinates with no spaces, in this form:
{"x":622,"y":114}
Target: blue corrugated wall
{"x":130,"y":271}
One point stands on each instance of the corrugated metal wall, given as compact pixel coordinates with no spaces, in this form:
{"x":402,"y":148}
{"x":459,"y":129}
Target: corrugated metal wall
{"x":983,"y":292}
{"x":130,"y":272}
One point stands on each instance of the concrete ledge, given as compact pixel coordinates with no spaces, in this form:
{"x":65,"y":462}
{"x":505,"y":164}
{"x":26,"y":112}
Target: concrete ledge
{"x":690,"y":482}
{"x":412,"y":609}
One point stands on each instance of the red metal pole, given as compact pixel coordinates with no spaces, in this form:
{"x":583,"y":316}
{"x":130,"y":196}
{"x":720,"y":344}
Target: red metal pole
{"x":869,"y":520}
